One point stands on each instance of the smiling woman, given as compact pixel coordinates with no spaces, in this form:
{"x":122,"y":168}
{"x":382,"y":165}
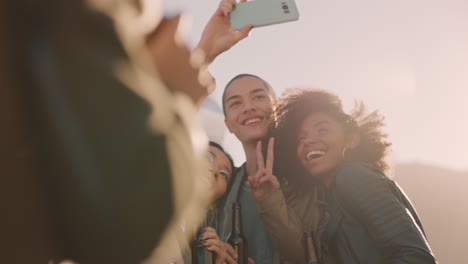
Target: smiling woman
{"x":247,"y":106}
{"x":323,"y":152}
{"x":313,"y":127}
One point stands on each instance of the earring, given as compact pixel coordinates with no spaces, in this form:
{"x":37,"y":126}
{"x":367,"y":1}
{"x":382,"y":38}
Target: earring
{"x":343,"y":153}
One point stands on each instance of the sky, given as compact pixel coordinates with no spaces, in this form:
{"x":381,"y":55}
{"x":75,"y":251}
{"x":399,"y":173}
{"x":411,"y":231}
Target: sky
{"x":408,"y":59}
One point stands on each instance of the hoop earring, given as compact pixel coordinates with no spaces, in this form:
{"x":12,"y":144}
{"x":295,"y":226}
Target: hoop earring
{"x":343,"y":153}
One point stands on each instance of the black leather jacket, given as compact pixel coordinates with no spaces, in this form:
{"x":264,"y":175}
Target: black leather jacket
{"x":372,"y":221}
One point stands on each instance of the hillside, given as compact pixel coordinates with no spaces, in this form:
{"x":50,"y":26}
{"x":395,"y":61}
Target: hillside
{"x":441,"y":199}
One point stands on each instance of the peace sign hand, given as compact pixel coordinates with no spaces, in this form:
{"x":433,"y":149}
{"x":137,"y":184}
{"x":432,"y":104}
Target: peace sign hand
{"x":264,"y":183}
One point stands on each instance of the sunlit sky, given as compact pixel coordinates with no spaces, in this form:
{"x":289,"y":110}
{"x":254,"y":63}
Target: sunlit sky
{"x":409,"y":59}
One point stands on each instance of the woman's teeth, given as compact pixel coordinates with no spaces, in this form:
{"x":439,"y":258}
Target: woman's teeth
{"x":314,"y":154}
{"x":251,"y":121}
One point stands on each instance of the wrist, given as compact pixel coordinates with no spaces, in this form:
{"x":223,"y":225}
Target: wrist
{"x":206,"y":50}
{"x":270,"y":202}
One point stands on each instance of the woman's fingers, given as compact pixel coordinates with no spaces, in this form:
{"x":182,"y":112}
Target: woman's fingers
{"x":267,"y":178}
{"x":226,"y":7}
{"x":230,"y":250}
{"x":213,"y":242}
{"x":260,"y":160}
{"x":270,"y":154}
{"x":209,"y":233}
{"x":230,"y":260}
{"x":251,"y":180}
{"x":244,"y":32}
{"x":270,"y":180}
{"x":216,"y":249}
{"x":220,"y":254}
{"x":217,"y":246}
{"x":260,"y":174}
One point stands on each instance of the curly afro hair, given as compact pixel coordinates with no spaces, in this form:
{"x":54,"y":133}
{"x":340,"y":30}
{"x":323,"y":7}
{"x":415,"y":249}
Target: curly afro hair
{"x":296,"y":104}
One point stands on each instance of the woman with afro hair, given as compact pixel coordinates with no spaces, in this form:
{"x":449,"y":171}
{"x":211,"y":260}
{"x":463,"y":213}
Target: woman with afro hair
{"x":328,"y":184}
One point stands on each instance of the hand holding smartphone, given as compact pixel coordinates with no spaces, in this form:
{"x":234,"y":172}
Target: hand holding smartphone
{"x":263,"y":12}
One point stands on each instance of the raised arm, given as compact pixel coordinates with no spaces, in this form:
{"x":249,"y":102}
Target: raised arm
{"x":285,"y":227}
{"x":218,"y":35}
{"x":186,"y":71}
{"x":282,"y":221}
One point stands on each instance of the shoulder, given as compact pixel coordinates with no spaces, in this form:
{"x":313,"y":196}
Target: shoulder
{"x":234,"y":184}
{"x":358,"y":179}
{"x":353,"y":173}
{"x":238,"y":174}
{"x":368,"y":195}
{"x":240,"y":171}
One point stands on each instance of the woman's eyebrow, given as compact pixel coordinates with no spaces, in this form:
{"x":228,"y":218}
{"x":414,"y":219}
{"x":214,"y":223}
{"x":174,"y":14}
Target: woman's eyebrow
{"x":321,"y":123}
{"x":232,"y":98}
{"x":258,"y":90}
{"x":227,"y":168}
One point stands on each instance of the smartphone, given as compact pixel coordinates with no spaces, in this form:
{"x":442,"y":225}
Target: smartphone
{"x":263,"y":12}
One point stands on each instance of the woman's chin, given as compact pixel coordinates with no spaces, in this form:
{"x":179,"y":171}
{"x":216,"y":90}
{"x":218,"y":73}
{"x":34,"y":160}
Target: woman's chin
{"x":321,"y":175}
{"x":315,"y":172}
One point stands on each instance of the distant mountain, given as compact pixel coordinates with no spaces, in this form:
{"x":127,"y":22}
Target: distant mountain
{"x":441,"y":199}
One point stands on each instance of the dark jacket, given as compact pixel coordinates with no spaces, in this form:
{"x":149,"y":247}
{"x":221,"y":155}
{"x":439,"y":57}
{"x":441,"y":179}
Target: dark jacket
{"x":372,"y":221}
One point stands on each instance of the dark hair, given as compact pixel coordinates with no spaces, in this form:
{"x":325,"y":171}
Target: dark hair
{"x":218,"y":146}
{"x":222,"y":200}
{"x":296,"y":104}
{"x":240,"y":76}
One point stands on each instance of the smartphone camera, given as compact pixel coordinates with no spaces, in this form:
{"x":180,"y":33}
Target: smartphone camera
{"x":285,"y":7}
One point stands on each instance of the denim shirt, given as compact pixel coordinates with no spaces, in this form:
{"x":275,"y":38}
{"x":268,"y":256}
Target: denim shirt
{"x":260,"y":243}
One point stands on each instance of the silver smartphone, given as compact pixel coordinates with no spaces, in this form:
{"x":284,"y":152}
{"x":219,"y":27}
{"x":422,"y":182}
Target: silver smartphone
{"x":263,"y":12}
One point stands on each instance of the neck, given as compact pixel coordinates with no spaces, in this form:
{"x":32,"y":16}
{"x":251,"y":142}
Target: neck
{"x":327,"y":181}
{"x":212,"y":206}
{"x":250,"y":158}
{"x":328,"y":178}
{"x":215,"y":204}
